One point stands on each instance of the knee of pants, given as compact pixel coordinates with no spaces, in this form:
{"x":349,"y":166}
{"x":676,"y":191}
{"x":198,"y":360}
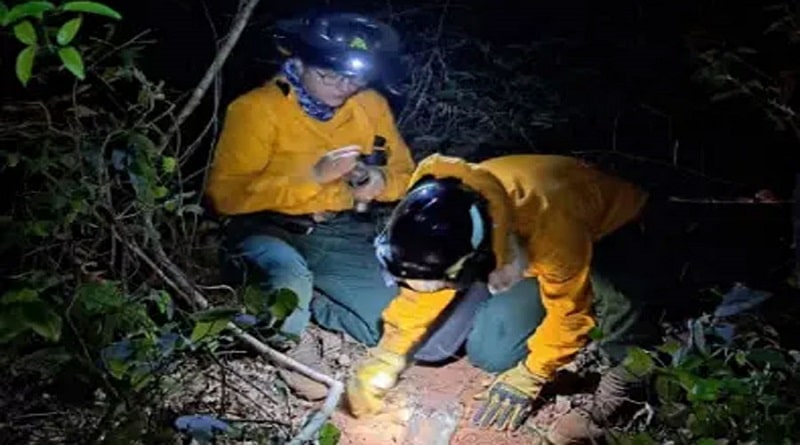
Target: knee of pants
{"x":493,"y":357}
{"x":498,"y":340}
{"x":334,"y":317}
{"x":280,"y":266}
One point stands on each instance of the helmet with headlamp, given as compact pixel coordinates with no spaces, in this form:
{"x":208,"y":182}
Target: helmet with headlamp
{"x":350,"y":44}
{"x":439,"y":235}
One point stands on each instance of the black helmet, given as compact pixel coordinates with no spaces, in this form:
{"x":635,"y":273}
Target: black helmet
{"x":348,"y":43}
{"x":441,"y":230}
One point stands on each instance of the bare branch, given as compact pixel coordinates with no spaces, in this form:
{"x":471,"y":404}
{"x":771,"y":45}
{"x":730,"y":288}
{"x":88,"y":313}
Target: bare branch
{"x":239,"y":23}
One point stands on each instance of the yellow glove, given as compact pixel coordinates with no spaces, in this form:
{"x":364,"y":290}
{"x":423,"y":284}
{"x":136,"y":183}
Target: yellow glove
{"x":373,"y":378}
{"x":509,"y":400}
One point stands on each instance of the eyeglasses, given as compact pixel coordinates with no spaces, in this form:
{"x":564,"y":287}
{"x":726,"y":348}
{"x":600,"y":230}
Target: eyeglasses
{"x":332,"y":79}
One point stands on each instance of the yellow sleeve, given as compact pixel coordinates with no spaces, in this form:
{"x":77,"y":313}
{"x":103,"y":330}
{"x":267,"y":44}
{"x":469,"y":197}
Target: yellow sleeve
{"x":400,"y":164}
{"x":407,"y":318}
{"x":562,"y":263}
{"x":500,"y":205}
{"x":237,"y":182}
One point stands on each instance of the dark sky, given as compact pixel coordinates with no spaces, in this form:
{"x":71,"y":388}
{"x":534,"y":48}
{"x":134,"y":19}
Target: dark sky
{"x":610,"y":59}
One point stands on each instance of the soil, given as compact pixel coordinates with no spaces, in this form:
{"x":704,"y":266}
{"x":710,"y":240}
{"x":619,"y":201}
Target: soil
{"x":451,"y":389}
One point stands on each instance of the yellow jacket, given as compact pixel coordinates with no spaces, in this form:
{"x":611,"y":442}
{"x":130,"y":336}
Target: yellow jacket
{"x":268,"y":146}
{"x":559,"y":207}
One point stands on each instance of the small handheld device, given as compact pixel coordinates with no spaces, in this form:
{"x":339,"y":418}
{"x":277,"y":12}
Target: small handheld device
{"x":360,"y":175}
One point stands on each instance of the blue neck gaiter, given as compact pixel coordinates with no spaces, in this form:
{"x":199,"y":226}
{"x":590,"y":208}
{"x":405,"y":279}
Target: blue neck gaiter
{"x":311,"y":105}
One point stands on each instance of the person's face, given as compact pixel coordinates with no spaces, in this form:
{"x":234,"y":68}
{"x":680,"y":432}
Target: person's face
{"x":328,"y":86}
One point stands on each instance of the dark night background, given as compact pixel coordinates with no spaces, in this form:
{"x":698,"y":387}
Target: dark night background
{"x":624,"y":60}
{"x":624,"y":66}
{"x":627,"y":97}
{"x":623,"y":72}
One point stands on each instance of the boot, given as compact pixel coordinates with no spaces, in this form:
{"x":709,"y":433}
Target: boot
{"x":618,"y":390}
{"x":309,"y":351}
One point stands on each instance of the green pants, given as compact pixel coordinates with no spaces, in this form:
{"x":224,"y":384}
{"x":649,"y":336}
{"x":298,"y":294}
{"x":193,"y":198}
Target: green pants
{"x":630,"y":279}
{"x":331,"y":267}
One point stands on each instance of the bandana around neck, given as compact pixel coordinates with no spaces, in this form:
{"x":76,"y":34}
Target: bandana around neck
{"x":311,"y":105}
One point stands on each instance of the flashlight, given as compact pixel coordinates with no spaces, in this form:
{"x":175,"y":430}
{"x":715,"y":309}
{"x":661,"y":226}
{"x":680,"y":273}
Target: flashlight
{"x":360,"y":176}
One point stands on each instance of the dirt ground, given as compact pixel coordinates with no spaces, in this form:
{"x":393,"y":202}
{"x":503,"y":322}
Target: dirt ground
{"x":414,"y":414}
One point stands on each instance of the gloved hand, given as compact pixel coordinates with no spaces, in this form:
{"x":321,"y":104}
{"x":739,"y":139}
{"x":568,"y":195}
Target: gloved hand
{"x":335,"y":164}
{"x":373,"y":378}
{"x":374,"y":186}
{"x":509,"y":399}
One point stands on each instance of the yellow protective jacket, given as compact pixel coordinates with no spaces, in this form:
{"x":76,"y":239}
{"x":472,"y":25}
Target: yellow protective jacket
{"x":559,"y":207}
{"x":268,"y":147}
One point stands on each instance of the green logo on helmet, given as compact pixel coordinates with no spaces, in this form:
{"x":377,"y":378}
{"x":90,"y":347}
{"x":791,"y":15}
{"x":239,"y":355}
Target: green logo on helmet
{"x":358,"y":43}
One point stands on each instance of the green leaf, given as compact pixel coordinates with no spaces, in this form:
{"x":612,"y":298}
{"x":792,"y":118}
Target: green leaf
{"x":283,"y":302}
{"x":171,"y":205}
{"x":25,"y":295}
{"x":706,"y":390}
{"x":25,"y":64}
{"x":160,"y":192}
{"x":164,"y":303}
{"x":596,"y":334}
{"x":168,"y":163}
{"x":670,"y":347}
{"x":771,"y":357}
{"x":91,"y":8}
{"x":639,"y":362}
{"x":11,"y":323}
{"x":3,"y":13}
{"x":27,"y":9}
{"x":26,"y":33}
{"x":43,"y":320}
{"x":206,"y":329}
{"x":117,"y":368}
{"x":140,"y":379}
{"x":706,"y":441}
{"x":39,"y":228}
{"x":329,"y":434}
{"x":68,"y":31}
{"x":667,"y":388}
{"x":254,"y":300}
{"x":72,"y":61}
{"x":99,"y":297}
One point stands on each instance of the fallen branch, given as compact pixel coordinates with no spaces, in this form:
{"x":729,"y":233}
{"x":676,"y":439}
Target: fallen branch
{"x":181,"y":285}
{"x":335,"y":387}
{"x":239,"y":23}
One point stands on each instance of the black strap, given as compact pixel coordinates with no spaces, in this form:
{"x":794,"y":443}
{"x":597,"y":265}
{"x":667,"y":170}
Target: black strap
{"x":284,"y":87}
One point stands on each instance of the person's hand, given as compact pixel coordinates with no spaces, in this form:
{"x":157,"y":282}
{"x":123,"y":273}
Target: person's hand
{"x":509,"y":400}
{"x":505,"y":277}
{"x":336,"y":164}
{"x":373,"y":378}
{"x":373,"y":188}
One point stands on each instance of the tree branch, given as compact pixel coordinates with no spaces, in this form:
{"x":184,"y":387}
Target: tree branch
{"x":173,"y":276}
{"x":239,"y":23}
